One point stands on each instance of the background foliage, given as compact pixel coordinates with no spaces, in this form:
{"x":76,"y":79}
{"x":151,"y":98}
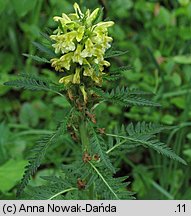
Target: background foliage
{"x":157,"y":35}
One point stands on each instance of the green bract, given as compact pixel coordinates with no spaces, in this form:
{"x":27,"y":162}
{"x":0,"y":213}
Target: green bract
{"x":81,"y":45}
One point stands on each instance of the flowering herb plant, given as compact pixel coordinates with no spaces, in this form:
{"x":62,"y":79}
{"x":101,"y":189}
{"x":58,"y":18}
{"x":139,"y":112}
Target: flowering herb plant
{"x":80,"y":49}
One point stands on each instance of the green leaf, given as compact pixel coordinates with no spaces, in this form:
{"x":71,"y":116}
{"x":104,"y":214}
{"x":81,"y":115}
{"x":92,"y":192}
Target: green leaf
{"x":4,"y":137}
{"x":108,"y":186}
{"x":3,"y":4}
{"x":126,"y":97}
{"x":33,"y":83}
{"x":39,"y":151}
{"x":10,"y":174}
{"x":120,"y":69}
{"x":144,"y":134}
{"x":142,"y":177}
{"x":28,"y":115}
{"x":114,"y":53}
{"x":54,"y":189}
{"x":22,"y":7}
{"x":176,"y":79}
{"x":168,"y":119}
{"x":61,"y":102}
{"x":96,"y":68}
{"x":187,"y":152}
{"x":30,"y":29}
{"x":37,"y":58}
{"x":44,"y":49}
{"x":99,"y":147}
{"x":46,"y":36}
{"x":182,"y":59}
{"x":184,"y":2}
{"x":179,"y":102}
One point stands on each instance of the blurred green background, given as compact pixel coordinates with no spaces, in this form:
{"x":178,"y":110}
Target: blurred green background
{"x":157,"y":35}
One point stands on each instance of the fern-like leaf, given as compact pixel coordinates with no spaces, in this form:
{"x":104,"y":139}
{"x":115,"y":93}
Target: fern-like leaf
{"x":33,"y":83}
{"x":97,"y":176}
{"x":38,"y":153}
{"x":119,"y":144}
{"x":53,"y":189}
{"x":99,"y":147}
{"x":120,"y":69}
{"x":107,"y":186}
{"x":114,"y":53}
{"x":46,"y":36}
{"x":126,"y":97}
{"x":144,"y":134}
{"x":36,"y":58}
{"x":34,"y":161}
{"x":112,"y":77}
{"x":44,"y":49}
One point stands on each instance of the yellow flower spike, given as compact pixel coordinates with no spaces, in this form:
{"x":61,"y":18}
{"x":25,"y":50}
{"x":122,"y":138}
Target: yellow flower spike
{"x":102,"y":64}
{"x":64,"y":19}
{"x":101,"y":68}
{"x":105,"y":63}
{"x":99,"y":54}
{"x":56,"y":63}
{"x":73,"y":16}
{"x":104,"y":24}
{"x":64,"y":43}
{"x":67,"y":79}
{"x":87,"y":14}
{"x":78,"y":10}
{"x":66,"y":59}
{"x":88,"y":71}
{"x":58,"y":47}
{"x":76,"y":77}
{"x":84,"y":93}
{"x":97,"y":79}
{"x":70,"y":35}
{"x":92,"y":17}
{"x":81,"y":46}
{"x":89,"y":49}
{"x":86,"y":62}
{"x":106,"y":42}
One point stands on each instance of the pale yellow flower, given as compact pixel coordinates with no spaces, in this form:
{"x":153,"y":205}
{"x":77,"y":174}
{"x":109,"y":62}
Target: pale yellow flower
{"x":76,"y":77}
{"x":72,"y":78}
{"x":64,"y":43}
{"x":97,"y":78}
{"x":88,"y":71}
{"x":102,"y":26}
{"x":57,"y":64}
{"x":89,"y":49}
{"x":77,"y":55}
{"x":66,"y":79}
{"x":91,"y":17}
{"x":84,"y":93}
{"x":80,"y":33}
{"x":64,"y":19}
{"x":63,"y":62}
{"x":66,"y":59}
{"x":78,"y":11}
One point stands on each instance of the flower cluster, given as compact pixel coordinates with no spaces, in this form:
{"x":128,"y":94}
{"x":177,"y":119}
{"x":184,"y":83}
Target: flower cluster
{"x":81,"y":45}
